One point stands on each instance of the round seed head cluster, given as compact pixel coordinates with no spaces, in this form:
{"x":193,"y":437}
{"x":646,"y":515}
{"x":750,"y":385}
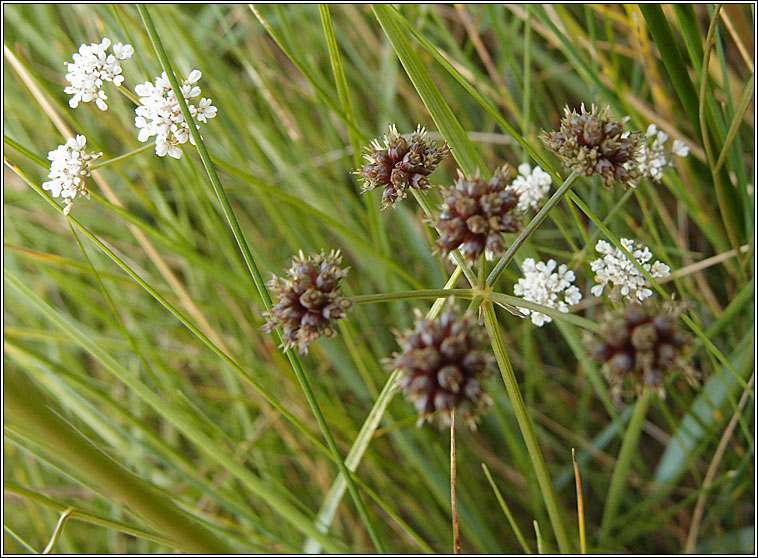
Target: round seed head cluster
{"x":309,"y":300}
{"x":640,"y":346}
{"x":616,"y":270}
{"x":543,"y":285}
{"x":655,"y":156}
{"x":159,"y":113}
{"x":92,"y":66}
{"x":400,"y":164}
{"x":531,"y":185}
{"x":69,"y":169}
{"x":594,"y":143}
{"x":443,"y":363}
{"x":474,"y":214}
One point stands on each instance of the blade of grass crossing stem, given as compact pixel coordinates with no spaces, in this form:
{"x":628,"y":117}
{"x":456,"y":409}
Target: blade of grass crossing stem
{"x":626,"y":453}
{"x":507,"y":511}
{"x":525,"y":425}
{"x":255,"y":274}
{"x":461,"y":147}
{"x":202,"y":442}
{"x":366,"y":433}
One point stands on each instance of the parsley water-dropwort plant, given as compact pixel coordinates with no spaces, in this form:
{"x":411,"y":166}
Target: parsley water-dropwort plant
{"x":360,"y":278}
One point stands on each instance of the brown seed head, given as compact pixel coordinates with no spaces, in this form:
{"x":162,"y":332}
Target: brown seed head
{"x":443,"y":364}
{"x":639,"y":346}
{"x":309,"y":300}
{"x":594,"y":143}
{"x":474,"y":214}
{"x":400,"y":164}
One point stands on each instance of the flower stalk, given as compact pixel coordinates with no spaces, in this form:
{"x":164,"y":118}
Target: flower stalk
{"x":531,"y":227}
{"x":525,"y":425}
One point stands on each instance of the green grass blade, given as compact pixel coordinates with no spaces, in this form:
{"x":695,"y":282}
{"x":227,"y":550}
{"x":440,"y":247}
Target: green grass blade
{"x":463,"y":150}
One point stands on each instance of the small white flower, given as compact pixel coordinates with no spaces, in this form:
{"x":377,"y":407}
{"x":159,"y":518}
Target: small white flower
{"x":159,"y":113}
{"x":69,"y":168}
{"x":654,"y":157}
{"x":531,"y":186}
{"x":542,"y":285}
{"x":91,"y":67}
{"x":616,"y":270}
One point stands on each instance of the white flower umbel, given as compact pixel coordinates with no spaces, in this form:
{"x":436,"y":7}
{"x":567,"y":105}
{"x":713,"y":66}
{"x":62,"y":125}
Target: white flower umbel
{"x":91,"y":67}
{"x":159,"y":114}
{"x":542,"y":284}
{"x":614,"y":269}
{"x":531,"y":186}
{"x":655,"y":156}
{"x":69,"y":169}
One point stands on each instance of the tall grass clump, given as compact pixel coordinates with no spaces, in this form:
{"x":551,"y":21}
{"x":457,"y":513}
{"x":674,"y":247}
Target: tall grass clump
{"x":379,"y":279}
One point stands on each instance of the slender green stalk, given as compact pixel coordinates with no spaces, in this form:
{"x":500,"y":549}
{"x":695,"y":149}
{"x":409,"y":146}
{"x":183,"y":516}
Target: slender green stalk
{"x":121,"y":158}
{"x":507,"y":511}
{"x":255,"y":273}
{"x":366,"y":433}
{"x":465,"y":294}
{"x":525,"y":425}
{"x":584,"y":323}
{"x":731,"y":233}
{"x":531,"y":227}
{"x":620,"y":472}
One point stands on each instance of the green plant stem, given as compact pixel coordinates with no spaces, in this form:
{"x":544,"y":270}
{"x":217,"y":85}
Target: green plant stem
{"x":255,"y":274}
{"x":124,"y":157}
{"x":366,"y":433}
{"x":525,"y":425}
{"x":507,"y":511}
{"x":626,"y":454}
{"x":731,"y":233}
{"x":428,"y":210}
{"x":508,"y":300}
{"x":465,"y":294}
{"x":531,"y":227}
{"x":27,"y":406}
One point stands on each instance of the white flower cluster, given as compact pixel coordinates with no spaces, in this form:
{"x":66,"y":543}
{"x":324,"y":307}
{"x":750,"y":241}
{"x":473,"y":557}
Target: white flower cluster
{"x":159,"y":114}
{"x":531,"y":186}
{"x":616,"y":269}
{"x":542,"y":284}
{"x":69,"y":170}
{"x":91,"y":67}
{"x":654,"y":157}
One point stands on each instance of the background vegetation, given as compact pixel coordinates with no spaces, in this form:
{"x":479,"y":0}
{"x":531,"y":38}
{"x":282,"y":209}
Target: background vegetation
{"x":90,"y":354}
